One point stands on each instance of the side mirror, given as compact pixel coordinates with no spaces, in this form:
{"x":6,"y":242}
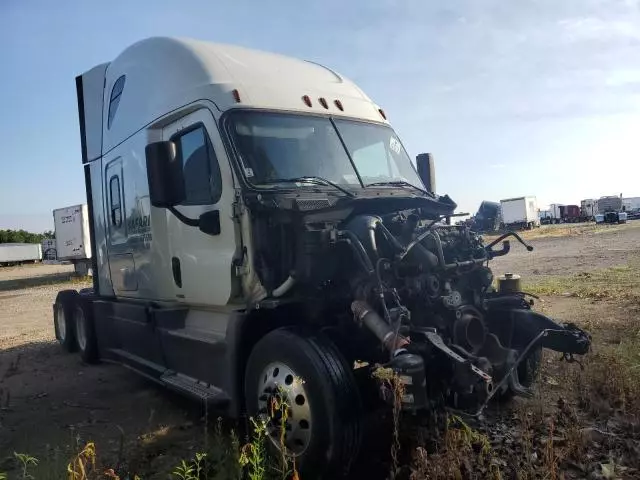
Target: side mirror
{"x":164,"y":172}
{"x":209,"y":222}
{"x":426,"y":171}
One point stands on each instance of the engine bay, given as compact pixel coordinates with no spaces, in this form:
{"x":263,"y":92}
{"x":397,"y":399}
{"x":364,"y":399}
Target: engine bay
{"x":414,"y":295}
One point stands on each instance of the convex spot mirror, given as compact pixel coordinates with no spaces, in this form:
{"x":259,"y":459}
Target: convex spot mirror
{"x":164,"y":172}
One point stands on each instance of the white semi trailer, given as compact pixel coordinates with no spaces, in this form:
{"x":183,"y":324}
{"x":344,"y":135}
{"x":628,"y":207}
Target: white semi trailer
{"x":73,"y":239}
{"x":257,"y":227}
{"x":17,"y":253}
{"x":520,"y":213}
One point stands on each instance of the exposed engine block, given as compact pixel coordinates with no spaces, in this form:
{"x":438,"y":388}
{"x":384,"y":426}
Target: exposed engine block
{"x":422,"y":289}
{"x":430,"y":295}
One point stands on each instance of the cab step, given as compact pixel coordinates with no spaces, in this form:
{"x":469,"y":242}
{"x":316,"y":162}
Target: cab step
{"x":194,"y":388}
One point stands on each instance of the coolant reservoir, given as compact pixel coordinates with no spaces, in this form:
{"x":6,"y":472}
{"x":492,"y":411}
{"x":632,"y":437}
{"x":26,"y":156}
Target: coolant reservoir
{"x":509,"y":283}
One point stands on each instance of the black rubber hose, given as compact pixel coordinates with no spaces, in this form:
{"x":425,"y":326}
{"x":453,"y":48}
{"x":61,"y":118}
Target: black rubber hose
{"x":417,"y":241}
{"x":506,"y":247}
{"x":510,"y":234}
{"x":439,"y":252}
{"x":358,"y":249}
{"x":409,"y":228}
{"x":390,"y":237}
{"x":387,"y":315}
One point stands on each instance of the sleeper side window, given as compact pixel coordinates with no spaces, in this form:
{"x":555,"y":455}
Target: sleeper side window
{"x":114,"y":99}
{"x":202,"y":182}
{"x":115,"y":204}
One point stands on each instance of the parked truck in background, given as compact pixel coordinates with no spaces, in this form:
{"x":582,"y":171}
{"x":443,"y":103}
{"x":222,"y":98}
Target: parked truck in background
{"x":631,"y":206}
{"x":488,"y":217}
{"x":610,"y":210}
{"x":18,"y":253}
{"x":545,"y":217}
{"x":259,"y":235}
{"x":589,"y":209}
{"x":560,"y":213}
{"x":49,"y":249}
{"x":73,"y":239}
{"x":519,"y":213}
{"x":570,"y":214}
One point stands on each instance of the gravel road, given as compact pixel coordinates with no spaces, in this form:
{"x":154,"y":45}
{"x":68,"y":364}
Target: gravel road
{"x":616,"y":245}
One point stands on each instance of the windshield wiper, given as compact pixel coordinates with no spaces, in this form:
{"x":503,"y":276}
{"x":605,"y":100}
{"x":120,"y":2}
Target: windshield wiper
{"x":400,"y":183}
{"x":315,"y":180}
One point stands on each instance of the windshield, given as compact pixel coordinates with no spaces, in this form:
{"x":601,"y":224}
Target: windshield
{"x":275,"y":147}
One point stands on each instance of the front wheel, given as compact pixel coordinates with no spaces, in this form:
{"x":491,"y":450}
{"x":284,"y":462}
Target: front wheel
{"x":301,"y":386}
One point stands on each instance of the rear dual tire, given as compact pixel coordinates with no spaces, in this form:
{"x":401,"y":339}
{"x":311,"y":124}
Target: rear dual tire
{"x":64,"y":325}
{"x":74,"y":326}
{"x":85,"y":330}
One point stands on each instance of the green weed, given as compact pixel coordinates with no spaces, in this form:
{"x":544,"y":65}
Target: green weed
{"x":192,"y":470}
{"x":253,"y":456}
{"x":26,"y":462}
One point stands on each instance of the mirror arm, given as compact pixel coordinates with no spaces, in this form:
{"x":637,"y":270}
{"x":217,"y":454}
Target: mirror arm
{"x":192,"y":222}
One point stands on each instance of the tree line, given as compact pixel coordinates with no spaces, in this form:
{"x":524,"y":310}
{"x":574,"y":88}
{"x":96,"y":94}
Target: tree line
{"x":22,"y":236}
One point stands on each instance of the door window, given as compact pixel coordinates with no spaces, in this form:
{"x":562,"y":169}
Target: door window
{"x":200,"y":166}
{"x":115,"y":203}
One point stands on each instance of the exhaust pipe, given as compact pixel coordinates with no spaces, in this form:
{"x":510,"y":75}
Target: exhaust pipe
{"x":367,"y":316}
{"x":408,"y":367}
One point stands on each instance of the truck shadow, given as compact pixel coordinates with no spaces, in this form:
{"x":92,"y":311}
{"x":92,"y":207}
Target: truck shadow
{"x":51,"y":404}
{"x":47,"y":279}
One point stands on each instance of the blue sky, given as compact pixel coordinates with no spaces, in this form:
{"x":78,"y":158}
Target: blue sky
{"x":538,"y":97}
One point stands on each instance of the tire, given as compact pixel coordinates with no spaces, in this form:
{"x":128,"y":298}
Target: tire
{"x":325,"y":417}
{"x":63,"y":323}
{"x":86,"y":338}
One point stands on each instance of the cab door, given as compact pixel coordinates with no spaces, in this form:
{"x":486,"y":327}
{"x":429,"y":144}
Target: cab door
{"x":121,"y":263}
{"x":201,"y":264}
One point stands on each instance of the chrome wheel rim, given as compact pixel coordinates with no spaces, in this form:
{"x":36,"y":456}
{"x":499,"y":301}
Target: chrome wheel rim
{"x":81,"y":334}
{"x":284,"y":407}
{"x":61,"y":323}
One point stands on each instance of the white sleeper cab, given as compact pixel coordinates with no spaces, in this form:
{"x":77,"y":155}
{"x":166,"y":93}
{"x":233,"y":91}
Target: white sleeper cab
{"x":258,"y":231}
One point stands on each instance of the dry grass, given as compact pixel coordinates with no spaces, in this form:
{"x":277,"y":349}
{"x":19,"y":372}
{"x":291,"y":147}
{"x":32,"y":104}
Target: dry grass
{"x":462,"y":453}
{"x":610,"y":383}
{"x":582,"y":422}
{"x":621,"y":283}
{"x":567,"y":230}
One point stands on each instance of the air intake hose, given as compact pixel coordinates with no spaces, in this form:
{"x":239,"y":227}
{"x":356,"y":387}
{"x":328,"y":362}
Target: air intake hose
{"x":367,"y":316}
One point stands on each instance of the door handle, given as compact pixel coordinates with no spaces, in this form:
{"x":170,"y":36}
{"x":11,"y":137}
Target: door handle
{"x":177,"y":272}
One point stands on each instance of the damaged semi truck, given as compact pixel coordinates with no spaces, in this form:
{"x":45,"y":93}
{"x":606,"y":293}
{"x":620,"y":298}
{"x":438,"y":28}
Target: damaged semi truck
{"x":260,"y":232}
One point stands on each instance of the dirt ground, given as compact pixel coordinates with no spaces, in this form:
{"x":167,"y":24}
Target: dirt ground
{"x":51,"y":403}
{"x":587,"y":249}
